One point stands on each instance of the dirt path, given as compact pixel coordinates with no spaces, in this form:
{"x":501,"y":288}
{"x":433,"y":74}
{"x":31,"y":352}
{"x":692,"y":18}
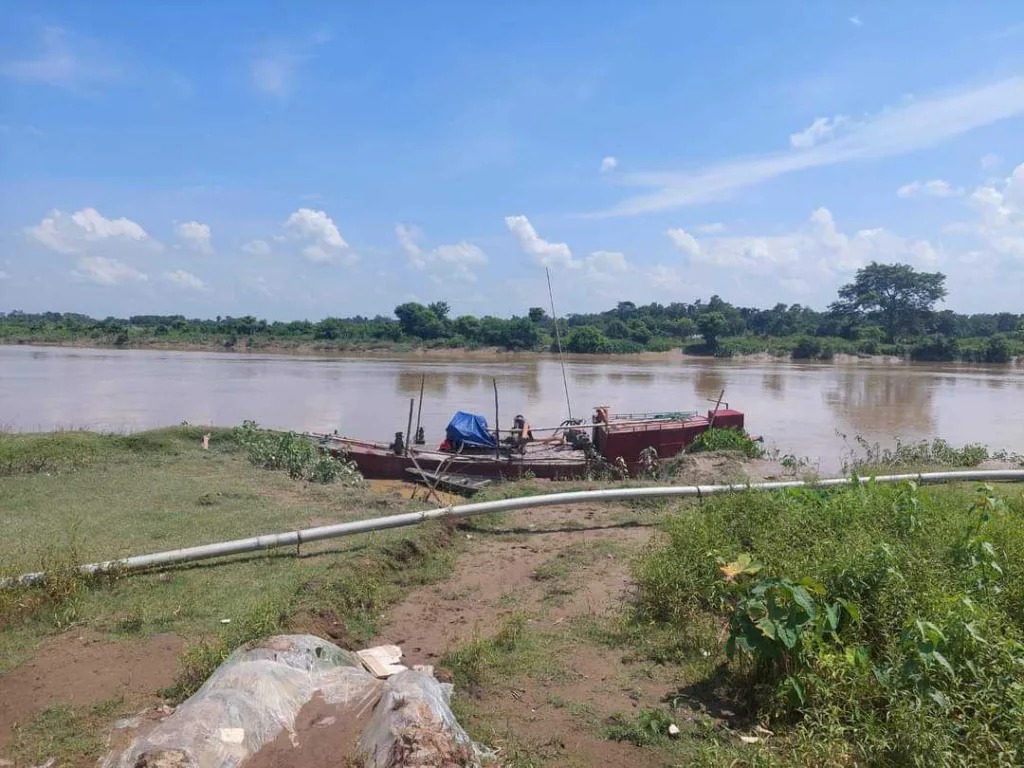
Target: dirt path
{"x":557,"y":567}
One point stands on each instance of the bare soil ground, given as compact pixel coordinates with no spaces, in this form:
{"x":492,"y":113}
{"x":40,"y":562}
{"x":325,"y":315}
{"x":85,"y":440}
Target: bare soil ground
{"x":82,"y":667}
{"x":557,"y":566}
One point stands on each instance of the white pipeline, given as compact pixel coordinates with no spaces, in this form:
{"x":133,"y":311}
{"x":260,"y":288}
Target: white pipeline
{"x":297,"y":538}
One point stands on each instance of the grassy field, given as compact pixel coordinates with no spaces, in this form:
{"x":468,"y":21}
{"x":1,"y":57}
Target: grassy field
{"x":77,"y":497}
{"x":877,"y":625}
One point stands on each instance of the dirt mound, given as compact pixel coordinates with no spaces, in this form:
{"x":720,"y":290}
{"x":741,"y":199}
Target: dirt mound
{"x":82,"y":667}
{"x":720,"y":467}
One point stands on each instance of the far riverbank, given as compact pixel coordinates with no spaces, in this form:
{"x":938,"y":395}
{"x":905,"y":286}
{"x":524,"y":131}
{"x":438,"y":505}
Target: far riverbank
{"x":490,"y":354}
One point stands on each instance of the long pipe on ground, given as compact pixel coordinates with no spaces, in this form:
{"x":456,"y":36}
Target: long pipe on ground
{"x":308,"y":535}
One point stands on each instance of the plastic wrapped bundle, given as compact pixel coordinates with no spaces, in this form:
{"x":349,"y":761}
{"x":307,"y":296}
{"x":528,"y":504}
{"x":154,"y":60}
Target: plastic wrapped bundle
{"x":250,"y":699}
{"x":413,"y":725}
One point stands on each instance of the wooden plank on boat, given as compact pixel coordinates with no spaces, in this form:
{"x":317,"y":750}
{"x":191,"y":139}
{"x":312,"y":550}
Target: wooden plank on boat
{"x":450,"y":482}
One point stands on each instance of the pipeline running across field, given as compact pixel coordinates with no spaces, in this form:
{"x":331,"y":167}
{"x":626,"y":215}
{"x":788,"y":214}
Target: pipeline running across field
{"x":321,"y":533}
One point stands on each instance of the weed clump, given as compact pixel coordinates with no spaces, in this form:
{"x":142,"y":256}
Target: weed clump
{"x":727,"y":440}
{"x":55,"y":601}
{"x":937,"y":453}
{"x":879,"y":625}
{"x":295,"y":454}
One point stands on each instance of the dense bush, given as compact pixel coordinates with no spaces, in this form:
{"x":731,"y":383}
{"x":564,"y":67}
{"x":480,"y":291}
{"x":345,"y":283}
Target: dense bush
{"x":877,"y":625}
{"x":295,"y":454}
{"x":935,"y":348}
{"x":586,"y":339}
{"x":727,"y":440}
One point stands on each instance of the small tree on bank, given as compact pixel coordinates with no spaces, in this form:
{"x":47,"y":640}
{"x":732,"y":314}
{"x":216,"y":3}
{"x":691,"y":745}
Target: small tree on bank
{"x":896,"y":296}
{"x":712,"y":326}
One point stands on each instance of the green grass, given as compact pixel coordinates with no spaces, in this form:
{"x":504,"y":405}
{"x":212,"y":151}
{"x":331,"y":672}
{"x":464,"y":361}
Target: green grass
{"x":877,"y":625}
{"x":513,"y":651}
{"x":66,"y":451}
{"x":115,"y":496}
{"x":68,"y":734}
{"x":574,"y":558}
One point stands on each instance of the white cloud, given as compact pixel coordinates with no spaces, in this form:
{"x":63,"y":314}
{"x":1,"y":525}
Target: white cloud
{"x":608,"y":164}
{"x":63,"y":61}
{"x":1001,"y":210}
{"x":274,"y":74}
{"x":407,"y":237}
{"x":606,"y":263}
{"x":460,"y":253}
{"x":711,"y":229}
{"x":822,"y":129}
{"x":933,"y":188}
{"x":257,"y":248}
{"x":817,"y":248}
{"x":184,"y":279}
{"x":543,"y":253}
{"x":4,"y":275}
{"x":684,"y":241}
{"x":73,"y":233}
{"x":276,"y":70}
{"x":106,"y":271}
{"x":196,"y":236}
{"x":856,"y":21}
{"x":909,"y":127}
{"x":989,"y":161}
{"x":308,"y":223}
{"x":457,"y":259}
{"x":325,"y":245}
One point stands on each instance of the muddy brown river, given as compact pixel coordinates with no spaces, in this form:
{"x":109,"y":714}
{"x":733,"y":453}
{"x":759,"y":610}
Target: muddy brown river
{"x":801,"y":408}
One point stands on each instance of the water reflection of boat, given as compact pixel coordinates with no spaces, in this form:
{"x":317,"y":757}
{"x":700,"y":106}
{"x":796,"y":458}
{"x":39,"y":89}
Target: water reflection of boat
{"x":571,"y":450}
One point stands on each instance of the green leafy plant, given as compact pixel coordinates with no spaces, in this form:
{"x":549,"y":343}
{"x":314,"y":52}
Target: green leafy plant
{"x":643,"y":729}
{"x":729,"y":439}
{"x":295,"y":454}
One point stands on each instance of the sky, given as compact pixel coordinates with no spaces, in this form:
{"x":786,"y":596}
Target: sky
{"x":305,"y":160}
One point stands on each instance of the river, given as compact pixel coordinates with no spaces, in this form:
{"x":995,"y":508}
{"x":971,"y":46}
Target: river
{"x":800,"y":408}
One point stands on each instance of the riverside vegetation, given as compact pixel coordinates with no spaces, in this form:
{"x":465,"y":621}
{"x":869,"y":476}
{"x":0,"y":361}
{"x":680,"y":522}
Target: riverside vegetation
{"x":878,"y":625}
{"x":889,"y":309}
{"x":873,"y":625}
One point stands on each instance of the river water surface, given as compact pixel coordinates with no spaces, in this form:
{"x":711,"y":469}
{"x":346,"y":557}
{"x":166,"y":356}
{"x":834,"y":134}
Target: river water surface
{"x":801,"y":408}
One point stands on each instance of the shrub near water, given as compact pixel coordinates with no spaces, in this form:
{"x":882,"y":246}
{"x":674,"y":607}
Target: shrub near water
{"x":877,"y":624}
{"x":727,"y":440}
{"x":295,"y":454}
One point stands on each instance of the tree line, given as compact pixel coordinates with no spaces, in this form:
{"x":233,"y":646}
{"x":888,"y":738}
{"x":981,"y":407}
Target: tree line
{"x":887,"y":309}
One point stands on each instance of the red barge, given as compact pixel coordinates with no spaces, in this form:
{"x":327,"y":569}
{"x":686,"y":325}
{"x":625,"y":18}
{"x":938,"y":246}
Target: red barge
{"x":571,"y":452}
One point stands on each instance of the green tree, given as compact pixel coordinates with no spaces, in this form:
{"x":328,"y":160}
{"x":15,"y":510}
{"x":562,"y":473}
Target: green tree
{"x":997,"y":350}
{"x":586,"y":339}
{"x":537,"y":315}
{"x":712,"y":326}
{"x":897,"y":296}
{"x":522,"y":334}
{"x":468,"y":327}
{"x":440,"y":309}
{"x":683,"y":328}
{"x":638,"y":331}
{"x":616,"y":329}
{"x":419,"y":321}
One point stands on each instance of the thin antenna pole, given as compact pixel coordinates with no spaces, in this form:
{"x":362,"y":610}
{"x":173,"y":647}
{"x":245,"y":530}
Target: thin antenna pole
{"x":419,"y":408}
{"x":497,"y":423}
{"x":558,"y":339}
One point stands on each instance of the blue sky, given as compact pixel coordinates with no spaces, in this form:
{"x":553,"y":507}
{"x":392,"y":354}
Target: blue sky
{"x":312,"y":159}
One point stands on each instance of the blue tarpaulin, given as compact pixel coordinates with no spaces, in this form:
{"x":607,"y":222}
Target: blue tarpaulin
{"x":470,"y":430}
